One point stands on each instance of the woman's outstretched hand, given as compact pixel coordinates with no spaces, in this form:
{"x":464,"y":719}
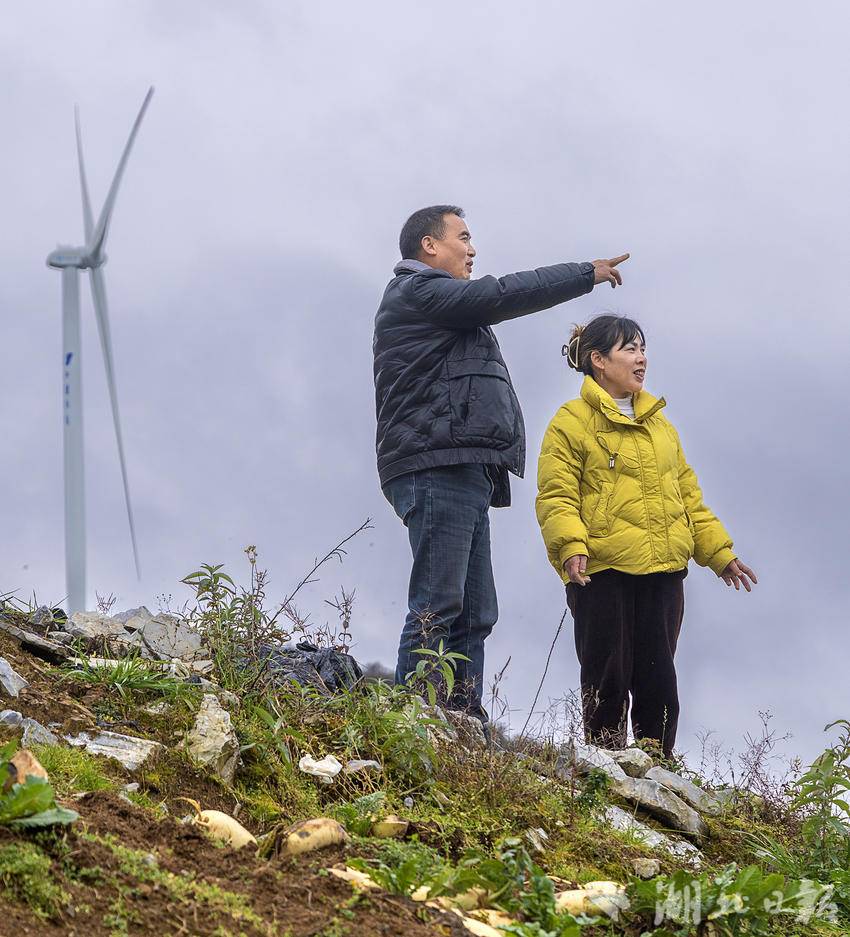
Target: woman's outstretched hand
{"x":737,"y":574}
{"x":575,"y":569}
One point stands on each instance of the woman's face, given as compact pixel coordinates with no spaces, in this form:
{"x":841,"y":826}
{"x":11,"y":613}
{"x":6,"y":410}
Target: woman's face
{"x":622,"y":371}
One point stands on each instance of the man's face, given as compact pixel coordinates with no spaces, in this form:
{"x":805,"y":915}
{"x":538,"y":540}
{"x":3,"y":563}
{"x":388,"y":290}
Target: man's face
{"x":453,"y":252}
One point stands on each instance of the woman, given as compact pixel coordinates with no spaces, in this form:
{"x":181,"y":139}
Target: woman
{"x":621,"y":514}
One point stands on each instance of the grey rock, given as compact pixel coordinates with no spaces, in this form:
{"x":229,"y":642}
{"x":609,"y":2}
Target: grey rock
{"x":132,"y":752}
{"x":634,"y":761}
{"x":140,"y":612}
{"x":11,"y":681}
{"x":537,"y":838}
{"x":700,"y":800}
{"x":359,"y":766}
{"x":408,"y":803}
{"x":59,"y":637}
{"x":11,"y":717}
{"x":576,"y":758}
{"x":166,"y":637}
{"x":646,"y":868}
{"x":661,"y":803}
{"x":41,"y":618}
{"x":469,"y":729}
{"x":35,"y":644}
{"x":89,"y":626}
{"x":440,"y":729}
{"x":36,"y":734}
{"x":680,"y":849}
{"x":211,"y":742}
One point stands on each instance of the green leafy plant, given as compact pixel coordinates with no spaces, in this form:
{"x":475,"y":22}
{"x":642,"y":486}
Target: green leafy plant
{"x":392,"y":725}
{"x":238,"y":626}
{"x":284,"y":736}
{"x":822,"y":797}
{"x":511,"y":880}
{"x":593,"y":791}
{"x":30,"y":803}
{"x":233,"y":621}
{"x":823,"y":792}
{"x":358,"y":815}
{"x":734,"y":902}
{"x":405,"y":867}
{"x":434,"y":674}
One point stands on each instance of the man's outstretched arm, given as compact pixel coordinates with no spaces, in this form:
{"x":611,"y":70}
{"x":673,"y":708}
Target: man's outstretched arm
{"x":464,"y":304}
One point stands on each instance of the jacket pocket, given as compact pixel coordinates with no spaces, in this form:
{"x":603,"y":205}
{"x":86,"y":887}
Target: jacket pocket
{"x":482,"y":403}
{"x":598,"y":526}
{"x":685,"y":513}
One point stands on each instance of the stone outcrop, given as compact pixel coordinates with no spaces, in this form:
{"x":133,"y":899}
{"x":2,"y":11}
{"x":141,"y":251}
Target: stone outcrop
{"x":634,"y":761}
{"x":662,"y":803}
{"x":703,"y":801}
{"x":10,"y":680}
{"x":212,"y":742}
{"x":673,"y":800}
{"x":153,"y":637}
{"x":130,"y":751}
{"x":581,"y":759}
{"x":680,"y":849}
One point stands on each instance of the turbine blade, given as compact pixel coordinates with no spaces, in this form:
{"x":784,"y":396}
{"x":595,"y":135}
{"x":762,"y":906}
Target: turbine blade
{"x":98,"y":290}
{"x":88,"y":221}
{"x":94,"y":247}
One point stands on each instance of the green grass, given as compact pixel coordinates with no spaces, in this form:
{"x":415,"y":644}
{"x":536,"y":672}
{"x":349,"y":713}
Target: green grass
{"x":131,"y":677}
{"x":72,"y":770}
{"x":26,"y":875}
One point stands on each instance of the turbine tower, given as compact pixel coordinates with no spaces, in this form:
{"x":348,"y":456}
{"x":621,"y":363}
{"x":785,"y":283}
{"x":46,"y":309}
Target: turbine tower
{"x":71,"y":260}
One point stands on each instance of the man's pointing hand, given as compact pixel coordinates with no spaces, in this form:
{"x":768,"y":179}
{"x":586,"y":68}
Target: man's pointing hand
{"x":606,"y":271}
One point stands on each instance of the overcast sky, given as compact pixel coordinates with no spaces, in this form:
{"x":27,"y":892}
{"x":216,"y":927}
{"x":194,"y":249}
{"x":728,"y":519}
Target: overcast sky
{"x":257,"y":226}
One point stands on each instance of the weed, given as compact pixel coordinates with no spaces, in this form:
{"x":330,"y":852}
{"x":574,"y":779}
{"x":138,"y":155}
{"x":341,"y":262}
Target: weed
{"x":358,"y":816}
{"x":434,"y":674}
{"x":129,"y":677}
{"x":238,"y":627}
{"x":822,"y":850}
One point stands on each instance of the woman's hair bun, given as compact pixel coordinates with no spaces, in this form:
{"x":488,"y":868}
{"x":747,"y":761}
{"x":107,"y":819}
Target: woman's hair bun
{"x":571,"y":349}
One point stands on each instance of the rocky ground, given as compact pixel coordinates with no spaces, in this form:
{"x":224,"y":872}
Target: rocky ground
{"x":126,"y":717}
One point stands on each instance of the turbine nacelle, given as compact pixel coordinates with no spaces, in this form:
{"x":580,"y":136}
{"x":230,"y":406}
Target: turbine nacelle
{"x":77,"y":257}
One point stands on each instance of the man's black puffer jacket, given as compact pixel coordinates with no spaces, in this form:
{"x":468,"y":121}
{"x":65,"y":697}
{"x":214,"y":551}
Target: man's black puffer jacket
{"x":443,"y":392}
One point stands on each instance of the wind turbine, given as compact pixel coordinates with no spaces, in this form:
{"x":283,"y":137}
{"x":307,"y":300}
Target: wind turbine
{"x":71,"y":260}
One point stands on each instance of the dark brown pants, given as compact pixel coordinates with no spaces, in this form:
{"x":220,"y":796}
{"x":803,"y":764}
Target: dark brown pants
{"x":626,"y":629}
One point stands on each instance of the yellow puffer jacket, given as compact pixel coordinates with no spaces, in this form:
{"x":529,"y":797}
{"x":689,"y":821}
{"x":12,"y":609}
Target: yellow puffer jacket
{"x":620,"y":491}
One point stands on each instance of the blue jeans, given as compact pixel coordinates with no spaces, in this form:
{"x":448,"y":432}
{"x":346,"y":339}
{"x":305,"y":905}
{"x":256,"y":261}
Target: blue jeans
{"x":452,"y":594}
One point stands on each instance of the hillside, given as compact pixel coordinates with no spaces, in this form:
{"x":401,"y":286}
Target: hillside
{"x":132,"y":716}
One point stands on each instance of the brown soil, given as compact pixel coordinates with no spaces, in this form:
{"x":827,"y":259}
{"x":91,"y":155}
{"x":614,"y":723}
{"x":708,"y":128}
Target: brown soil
{"x":286,"y":896}
{"x":107,"y":894}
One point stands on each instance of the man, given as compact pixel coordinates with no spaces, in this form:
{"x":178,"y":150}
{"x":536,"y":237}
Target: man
{"x":450,"y":428}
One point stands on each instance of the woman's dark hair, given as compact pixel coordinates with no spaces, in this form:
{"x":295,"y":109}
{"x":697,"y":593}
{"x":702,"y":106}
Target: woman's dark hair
{"x":600,"y":334}
{"x":426,"y":221}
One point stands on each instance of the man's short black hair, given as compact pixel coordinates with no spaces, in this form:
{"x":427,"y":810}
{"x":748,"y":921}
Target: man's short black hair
{"x":426,"y":221}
